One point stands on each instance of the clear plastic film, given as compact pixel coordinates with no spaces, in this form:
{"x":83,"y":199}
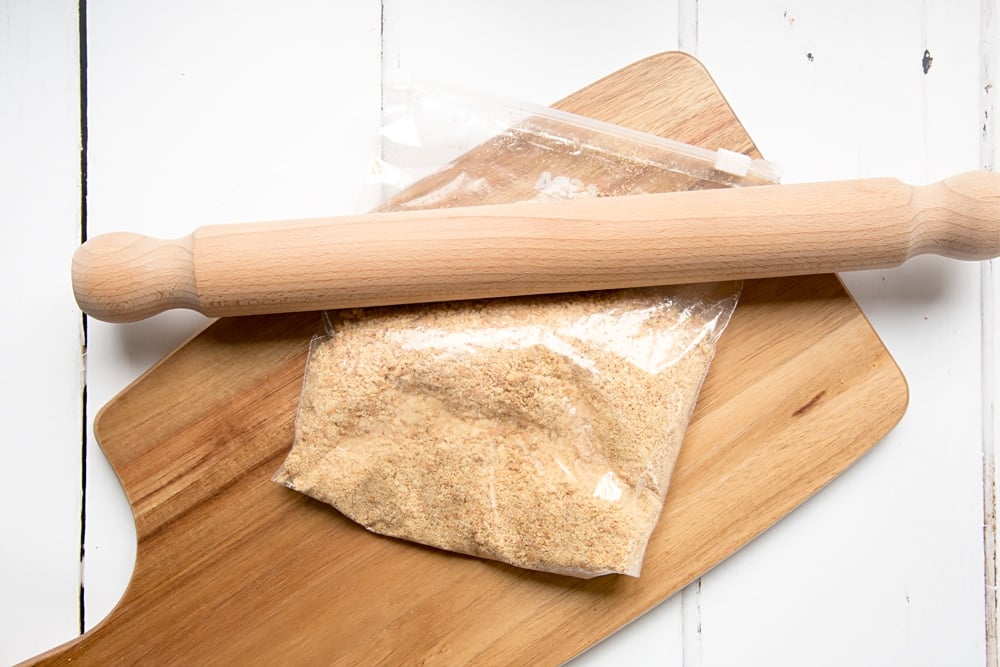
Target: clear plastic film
{"x":537,"y":431}
{"x":444,"y":147}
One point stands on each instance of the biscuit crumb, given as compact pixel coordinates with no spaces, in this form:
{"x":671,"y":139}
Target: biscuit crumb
{"x":538,"y":431}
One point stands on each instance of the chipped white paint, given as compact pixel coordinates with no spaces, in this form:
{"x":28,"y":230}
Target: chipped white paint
{"x":889,"y":558}
{"x":990,"y":281}
{"x":207,"y":111}
{"x":687,"y":26}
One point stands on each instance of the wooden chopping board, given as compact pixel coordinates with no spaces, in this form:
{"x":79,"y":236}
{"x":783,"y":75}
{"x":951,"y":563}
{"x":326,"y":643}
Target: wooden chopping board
{"x":232,"y":568}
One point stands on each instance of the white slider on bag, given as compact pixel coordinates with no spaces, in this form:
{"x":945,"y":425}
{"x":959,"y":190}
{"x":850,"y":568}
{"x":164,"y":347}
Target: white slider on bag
{"x":732,"y":162}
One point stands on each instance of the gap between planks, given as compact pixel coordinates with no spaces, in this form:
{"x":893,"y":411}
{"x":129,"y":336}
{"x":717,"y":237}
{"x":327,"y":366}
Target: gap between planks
{"x":687,"y":26}
{"x":82,"y":60}
{"x":691,"y":639}
{"x":691,"y":625}
{"x":988,"y":295}
{"x":988,"y":282}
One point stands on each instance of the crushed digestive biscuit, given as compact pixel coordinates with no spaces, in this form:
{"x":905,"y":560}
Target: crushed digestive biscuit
{"x":537,"y":431}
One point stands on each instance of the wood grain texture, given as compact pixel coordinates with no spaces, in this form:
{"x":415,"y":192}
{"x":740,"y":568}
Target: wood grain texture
{"x":232,"y":568}
{"x":496,"y":250}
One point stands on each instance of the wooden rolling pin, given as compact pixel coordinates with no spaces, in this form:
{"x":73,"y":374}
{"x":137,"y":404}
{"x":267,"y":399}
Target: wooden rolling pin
{"x":540,"y":247}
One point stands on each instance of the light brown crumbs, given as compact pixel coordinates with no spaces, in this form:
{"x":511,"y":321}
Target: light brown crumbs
{"x":537,"y":431}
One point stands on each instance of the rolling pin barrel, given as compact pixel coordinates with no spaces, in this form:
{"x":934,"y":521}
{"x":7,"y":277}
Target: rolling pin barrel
{"x":532,"y":248}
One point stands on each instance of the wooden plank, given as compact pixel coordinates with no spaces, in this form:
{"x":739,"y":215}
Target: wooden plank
{"x":558,"y":47}
{"x":41,"y":363}
{"x":196,"y":440}
{"x":538,"y":52}
{"x":211,"y":112}
{"x":888,"y":561}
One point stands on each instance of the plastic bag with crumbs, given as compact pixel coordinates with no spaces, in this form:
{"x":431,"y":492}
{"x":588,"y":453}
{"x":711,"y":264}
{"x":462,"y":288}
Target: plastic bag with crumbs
{"x":538,"y":431}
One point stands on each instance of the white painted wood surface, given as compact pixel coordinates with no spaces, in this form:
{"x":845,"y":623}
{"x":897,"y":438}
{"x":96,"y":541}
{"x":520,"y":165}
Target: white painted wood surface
{"x":40,"y":336}
{"x":202,"y":112}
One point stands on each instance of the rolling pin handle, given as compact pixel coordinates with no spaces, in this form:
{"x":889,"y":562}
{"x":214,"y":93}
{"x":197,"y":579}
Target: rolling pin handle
{"x":958,"y":217}
{"x":124,"y":277}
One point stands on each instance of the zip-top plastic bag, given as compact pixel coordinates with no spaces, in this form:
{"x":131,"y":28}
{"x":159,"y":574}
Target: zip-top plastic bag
{"x":539,"y":431}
